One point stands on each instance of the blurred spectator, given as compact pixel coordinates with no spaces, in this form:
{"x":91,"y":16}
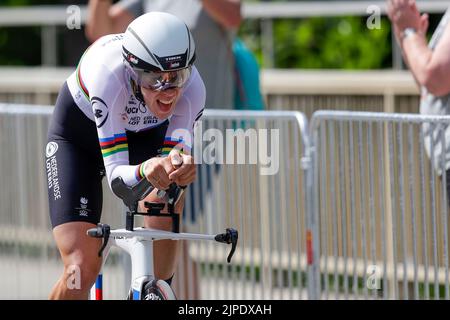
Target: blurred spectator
{"x":74,"y":42}
{"x":430,"y":66}
{"x":247,"y":93}
{"x":212,"y":23}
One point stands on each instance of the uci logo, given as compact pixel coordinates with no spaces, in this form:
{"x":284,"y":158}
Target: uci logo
{"x":51,"y":149}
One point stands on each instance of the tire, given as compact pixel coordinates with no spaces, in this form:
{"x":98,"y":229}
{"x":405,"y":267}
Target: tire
{"x":130,"y":295}
{"x":158,"y":290}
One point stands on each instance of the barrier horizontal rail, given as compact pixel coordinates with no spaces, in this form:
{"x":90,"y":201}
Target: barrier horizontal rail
{"x":374,"y":117}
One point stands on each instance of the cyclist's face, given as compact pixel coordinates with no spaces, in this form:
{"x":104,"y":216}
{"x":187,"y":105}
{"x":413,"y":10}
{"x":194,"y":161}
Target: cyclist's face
{"x":161,"y":103}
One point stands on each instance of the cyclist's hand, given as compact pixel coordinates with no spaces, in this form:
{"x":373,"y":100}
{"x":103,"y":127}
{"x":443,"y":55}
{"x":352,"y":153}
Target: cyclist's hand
{"x":185,"y":169}
{"x":157,"y":171}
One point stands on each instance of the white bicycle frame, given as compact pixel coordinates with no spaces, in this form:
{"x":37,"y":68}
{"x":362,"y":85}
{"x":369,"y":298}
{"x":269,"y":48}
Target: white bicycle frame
{"x":138,"y":242}
{"x":139,"y":245}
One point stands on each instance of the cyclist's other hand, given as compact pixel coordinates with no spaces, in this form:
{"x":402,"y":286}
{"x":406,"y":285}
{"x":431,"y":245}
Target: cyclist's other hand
{"x":157,"y":171}
{"x":186,"y":170}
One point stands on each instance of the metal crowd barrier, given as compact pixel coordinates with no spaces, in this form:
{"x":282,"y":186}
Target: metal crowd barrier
{"x":270,"y":211}
{"x":352,"y":209}
{"x":273,"y":260}
{"x":381,"y":209}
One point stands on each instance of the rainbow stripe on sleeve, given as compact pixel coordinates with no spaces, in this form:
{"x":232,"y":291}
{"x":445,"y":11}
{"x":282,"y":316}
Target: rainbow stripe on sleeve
{"x":170,"y":144}
{"x":112,"y":145}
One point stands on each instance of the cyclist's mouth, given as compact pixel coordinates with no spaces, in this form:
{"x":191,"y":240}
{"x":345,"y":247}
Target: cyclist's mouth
{"x":165,"y":105}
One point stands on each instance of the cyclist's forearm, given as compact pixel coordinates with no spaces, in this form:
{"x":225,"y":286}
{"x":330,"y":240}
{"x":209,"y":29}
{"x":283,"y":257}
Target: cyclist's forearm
{"x":99,"y":21}
{"x":129,"y":174}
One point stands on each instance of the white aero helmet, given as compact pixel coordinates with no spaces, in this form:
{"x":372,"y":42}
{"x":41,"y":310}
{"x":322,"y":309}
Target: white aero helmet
{"x":158,"y":50}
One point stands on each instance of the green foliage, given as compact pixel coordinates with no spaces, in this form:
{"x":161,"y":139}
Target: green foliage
{"x":312,"y":43}
{"x":322,"y":43}
{"x":15,"y":3}
{"x":13,"y":50}
{"x":10,"y":3}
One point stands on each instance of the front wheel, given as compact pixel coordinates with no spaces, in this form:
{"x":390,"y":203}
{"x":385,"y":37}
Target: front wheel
{"x":158,"y":290}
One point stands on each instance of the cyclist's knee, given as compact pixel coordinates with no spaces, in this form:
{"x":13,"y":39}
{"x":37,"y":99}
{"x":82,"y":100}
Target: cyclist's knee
{"x":80,"y":277}
{"x":80,"y":274}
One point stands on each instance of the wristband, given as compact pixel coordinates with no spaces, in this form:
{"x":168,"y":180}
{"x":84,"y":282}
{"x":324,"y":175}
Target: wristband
{"x":141,"y":169}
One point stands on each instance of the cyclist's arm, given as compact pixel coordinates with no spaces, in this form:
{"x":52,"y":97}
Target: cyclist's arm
{"x":108,"y":96}
{"x":105,"y":18}
{"x":179,"y":134}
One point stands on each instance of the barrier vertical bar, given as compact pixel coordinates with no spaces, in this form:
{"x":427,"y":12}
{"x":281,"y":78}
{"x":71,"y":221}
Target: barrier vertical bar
{"x":393,"y":218}
{"x":202,"y":199}
{"x":309,"y":165}
{"x":343,"y":206}
{"x":353,"y":233}
{"x":413,"y":209}
{"x":444,"y":212}
{"x":331,"y":131}
{"x":402,"y":209}
{"x":363,"y":207}
{"x":265,"y":227}
{"x":424,"y":214}
{"x":298,"y":218}
{"x":242,"y":210}
{"x":323,"y":206}
{"x":370,"y":145}
{"x":283,"y":172}
{"x":383,"y":195}
{"x":433,"y":212}
{"x":288,"y":163}
{"x":278,"y":215}
{"x":251,"y":216}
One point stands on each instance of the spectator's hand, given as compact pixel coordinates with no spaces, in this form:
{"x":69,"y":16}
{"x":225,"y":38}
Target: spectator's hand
{"x":424,"y":23}
{"x":185,"y":168}
{"x":404,"y":14}
{"x":157,"y":171}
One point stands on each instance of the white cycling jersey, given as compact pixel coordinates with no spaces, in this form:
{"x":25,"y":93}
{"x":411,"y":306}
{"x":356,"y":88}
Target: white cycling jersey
{"x":101,"y":88}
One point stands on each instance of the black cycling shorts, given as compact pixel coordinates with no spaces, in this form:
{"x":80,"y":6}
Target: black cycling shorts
{"x":74,"y":163}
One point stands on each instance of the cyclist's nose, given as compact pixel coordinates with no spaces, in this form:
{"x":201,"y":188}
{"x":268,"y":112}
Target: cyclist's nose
{"x":169,"y":92}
